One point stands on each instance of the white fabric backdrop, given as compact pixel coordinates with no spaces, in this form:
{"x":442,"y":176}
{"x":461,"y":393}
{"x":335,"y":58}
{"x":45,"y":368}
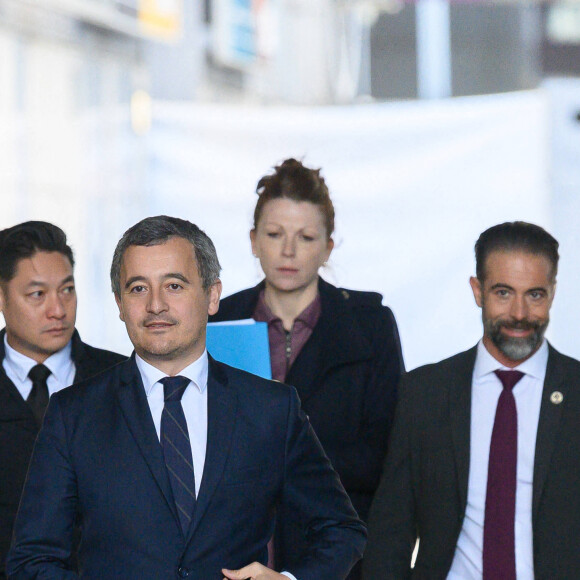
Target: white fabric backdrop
{"x":413,"y":183}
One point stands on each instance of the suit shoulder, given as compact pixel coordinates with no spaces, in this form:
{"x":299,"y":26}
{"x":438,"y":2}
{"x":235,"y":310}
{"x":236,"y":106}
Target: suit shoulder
{"x":239,"y":296}
{"x":238,"y":305}
{"x":94,"y":386}
{"x":361,"y":298}
{"x":253,"y":386}
{"x":442,"y":369}
{"x":366,"y":307}
{"x":568,"y":363}
{"x":105,"y":357}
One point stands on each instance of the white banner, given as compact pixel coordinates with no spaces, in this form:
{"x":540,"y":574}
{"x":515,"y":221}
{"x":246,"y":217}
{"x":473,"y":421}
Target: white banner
{"x":414,"y":184}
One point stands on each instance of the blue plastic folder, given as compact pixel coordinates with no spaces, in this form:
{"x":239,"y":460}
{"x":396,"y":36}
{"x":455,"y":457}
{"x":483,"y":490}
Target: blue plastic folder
{"x":242,"y":344}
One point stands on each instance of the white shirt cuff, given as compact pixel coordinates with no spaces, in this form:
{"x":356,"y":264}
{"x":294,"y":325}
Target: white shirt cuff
{"x":291,"y":576}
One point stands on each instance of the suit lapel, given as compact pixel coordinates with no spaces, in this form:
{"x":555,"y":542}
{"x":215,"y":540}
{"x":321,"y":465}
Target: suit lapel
{"x":135,"y":409}
{"x":221,"y":419}
{"x":459,"y":392}
{"x":84,"y":367}
{"x":336,"y":340}
{"x":550,"y":415}
{"x":14,"y":407}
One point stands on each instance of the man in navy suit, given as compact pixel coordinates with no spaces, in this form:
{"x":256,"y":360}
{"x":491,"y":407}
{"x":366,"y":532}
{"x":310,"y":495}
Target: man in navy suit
{"x":39,"y":304}
{"x":174,"y":464}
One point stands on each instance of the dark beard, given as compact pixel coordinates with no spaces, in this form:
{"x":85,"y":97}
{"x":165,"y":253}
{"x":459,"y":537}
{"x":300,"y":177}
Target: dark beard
{"x":516,"y":348}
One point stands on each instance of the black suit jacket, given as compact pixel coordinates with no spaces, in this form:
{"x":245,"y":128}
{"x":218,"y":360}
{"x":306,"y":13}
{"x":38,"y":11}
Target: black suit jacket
{"x":423,"y":492}
{"x":18,"y":431}
{"x":346,"y":376}
{"x":98,"y":458}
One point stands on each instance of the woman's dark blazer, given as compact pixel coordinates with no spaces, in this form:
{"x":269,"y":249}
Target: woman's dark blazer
{"x":346,"y":376}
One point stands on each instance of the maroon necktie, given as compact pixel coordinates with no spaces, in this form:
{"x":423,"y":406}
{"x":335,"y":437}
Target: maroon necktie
{"x":499,"y":555}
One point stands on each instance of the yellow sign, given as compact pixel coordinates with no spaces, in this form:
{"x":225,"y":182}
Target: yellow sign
{"x":161,"y":18}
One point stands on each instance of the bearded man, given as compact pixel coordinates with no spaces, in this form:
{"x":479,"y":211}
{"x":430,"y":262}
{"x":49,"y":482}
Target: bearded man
{"x":484,"y":460}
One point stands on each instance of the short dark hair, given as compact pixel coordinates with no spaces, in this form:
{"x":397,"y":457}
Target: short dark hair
{"x":293,"y":180}
{"x":24,"y":240}
{"x":153,"y":231}
{"x":515,"y":236}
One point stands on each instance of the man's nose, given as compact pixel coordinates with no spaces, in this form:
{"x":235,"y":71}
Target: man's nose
{"x":156,"y":302}
{"x":519,"y":308}
{"x":55,"y":307}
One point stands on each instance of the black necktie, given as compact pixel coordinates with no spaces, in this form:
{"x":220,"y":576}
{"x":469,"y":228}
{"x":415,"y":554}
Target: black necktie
{"x":177,"y":449}
{"x":38,"y":397}
{"x":499,"y":556}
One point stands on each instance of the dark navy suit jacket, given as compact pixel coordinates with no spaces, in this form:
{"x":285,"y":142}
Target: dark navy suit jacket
{"x":346,"y":376}
{"x":98,"y":458}
{"x":19,"y":428}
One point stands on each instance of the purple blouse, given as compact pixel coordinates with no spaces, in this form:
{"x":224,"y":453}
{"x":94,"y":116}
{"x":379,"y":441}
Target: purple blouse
{"x":285,"y":346}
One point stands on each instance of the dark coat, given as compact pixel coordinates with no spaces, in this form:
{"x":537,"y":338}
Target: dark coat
{"x":98,"y":458}
{"x":346,"y":376}
{"x":18,"y":431}
{"x":424,"y":488}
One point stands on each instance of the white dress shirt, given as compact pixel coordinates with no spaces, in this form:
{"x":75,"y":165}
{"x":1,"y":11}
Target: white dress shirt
{"x":194,"y":403}
{"x":485,"y":391}
{"x":60,"y":364}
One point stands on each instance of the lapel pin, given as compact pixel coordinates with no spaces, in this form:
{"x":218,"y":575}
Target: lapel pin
{"x":556,"y":397}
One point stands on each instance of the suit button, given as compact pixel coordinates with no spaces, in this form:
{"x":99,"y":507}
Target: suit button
{"x":183,"y":572}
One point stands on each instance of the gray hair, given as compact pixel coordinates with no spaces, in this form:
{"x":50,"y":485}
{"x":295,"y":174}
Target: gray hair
{"x":153,"y":231}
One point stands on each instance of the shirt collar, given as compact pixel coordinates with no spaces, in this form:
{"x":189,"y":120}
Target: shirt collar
{"x":262,"y":312}
{"x":535,"y":366}
{"x":309,"y":316}
{"x":59,"y":363}
{"x":196,"y":372}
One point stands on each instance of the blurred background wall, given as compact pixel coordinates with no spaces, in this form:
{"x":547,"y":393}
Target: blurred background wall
{"x":431,"y":121}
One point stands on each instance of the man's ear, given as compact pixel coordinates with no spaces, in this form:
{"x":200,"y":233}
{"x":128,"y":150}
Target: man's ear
{"x":477,"y":290}
{"x":2,"y":297}
{"x":119,"y":306}
{"x":214,"y":294}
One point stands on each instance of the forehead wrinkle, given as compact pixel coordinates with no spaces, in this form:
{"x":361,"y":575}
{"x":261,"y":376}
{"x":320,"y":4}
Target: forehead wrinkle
{"x":33,"y":263}
{"x":66,"y":280}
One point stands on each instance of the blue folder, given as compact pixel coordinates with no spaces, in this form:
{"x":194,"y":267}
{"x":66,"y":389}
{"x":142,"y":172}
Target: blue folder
{"x":242,"y":344}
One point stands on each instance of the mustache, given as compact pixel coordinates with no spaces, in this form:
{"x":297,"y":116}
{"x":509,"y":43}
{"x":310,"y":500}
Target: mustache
{"x":523,"y":324}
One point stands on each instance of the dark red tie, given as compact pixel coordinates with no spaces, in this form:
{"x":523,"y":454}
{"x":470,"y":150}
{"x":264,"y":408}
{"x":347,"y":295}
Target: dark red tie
{"x":499,"y":555}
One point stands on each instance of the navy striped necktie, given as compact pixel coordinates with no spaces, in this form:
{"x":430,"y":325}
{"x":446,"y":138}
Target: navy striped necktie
{"x":177,"y":449}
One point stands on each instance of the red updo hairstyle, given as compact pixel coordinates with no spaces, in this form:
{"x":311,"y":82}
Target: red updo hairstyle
{"x":292,"y":180}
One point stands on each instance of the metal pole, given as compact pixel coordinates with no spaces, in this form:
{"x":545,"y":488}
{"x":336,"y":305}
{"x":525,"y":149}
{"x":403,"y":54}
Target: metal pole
{"x":433,"y":49}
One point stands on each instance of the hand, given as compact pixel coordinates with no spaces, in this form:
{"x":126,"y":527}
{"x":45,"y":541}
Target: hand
{"x":253,"y":571}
